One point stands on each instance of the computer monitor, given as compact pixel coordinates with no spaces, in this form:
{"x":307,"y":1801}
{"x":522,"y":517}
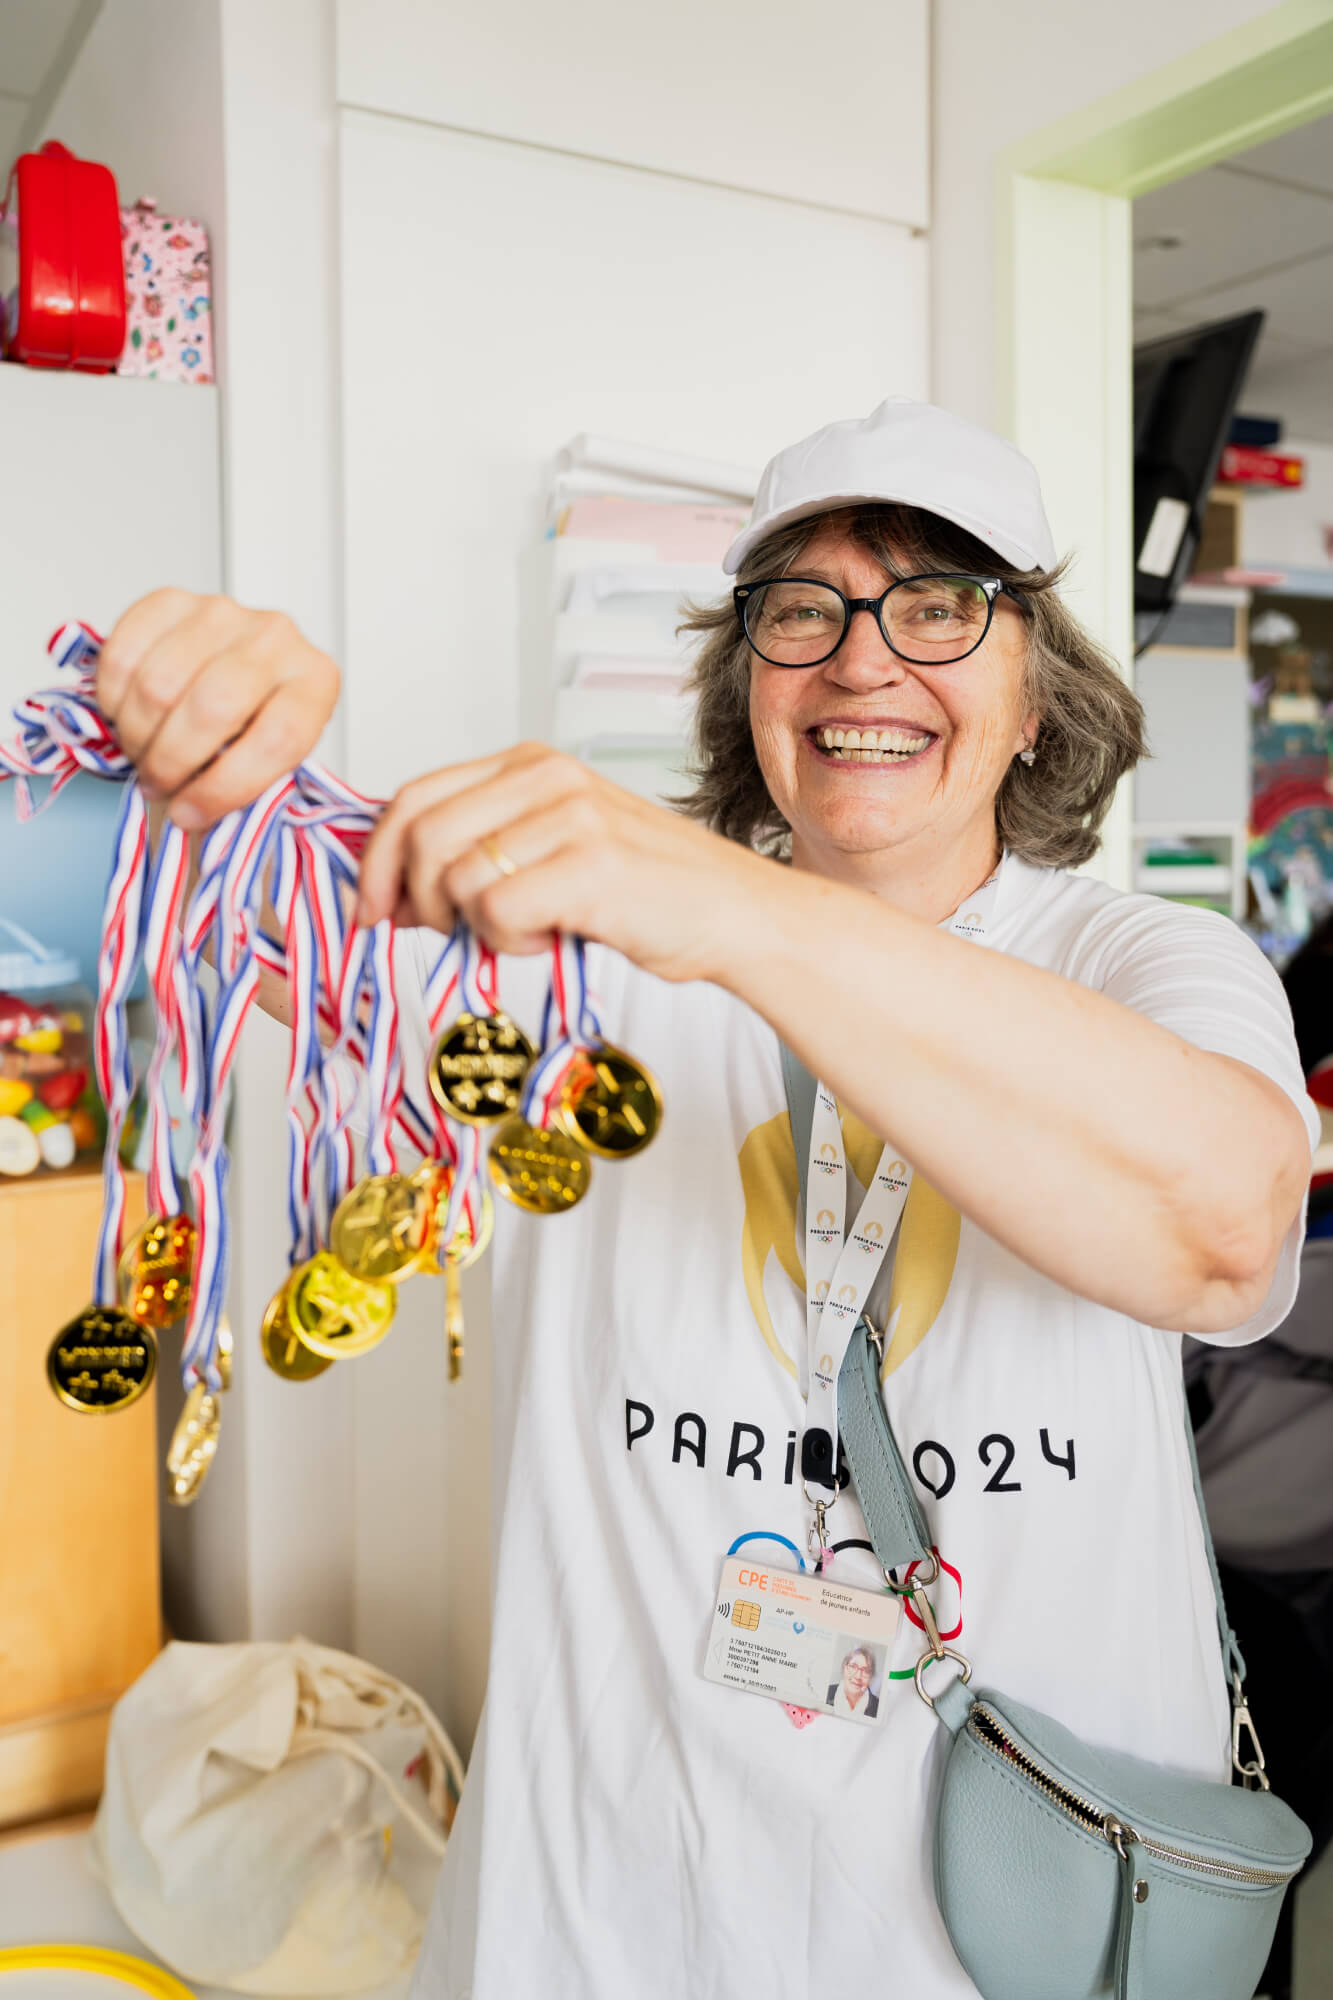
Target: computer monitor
{"x":1186,"y":386}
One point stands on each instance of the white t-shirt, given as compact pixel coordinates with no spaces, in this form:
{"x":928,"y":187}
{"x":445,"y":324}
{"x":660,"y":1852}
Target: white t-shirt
{"x":631,"y":1828}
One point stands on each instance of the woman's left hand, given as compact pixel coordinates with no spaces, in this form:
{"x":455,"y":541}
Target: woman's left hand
{"x":587,"y":857}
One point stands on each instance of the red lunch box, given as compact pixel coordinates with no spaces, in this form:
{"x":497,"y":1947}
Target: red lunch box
{"x":64,"y":304}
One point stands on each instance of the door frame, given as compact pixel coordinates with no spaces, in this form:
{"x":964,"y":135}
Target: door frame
{"x":1064,"y":353}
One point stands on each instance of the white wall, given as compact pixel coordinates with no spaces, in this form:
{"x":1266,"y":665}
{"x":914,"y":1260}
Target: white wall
{"x":144,"y":97}
{"x":717,"y":93}
{"x":1001,"y":73}
{"x":560,"y":295}
{"x":1290,"y":528}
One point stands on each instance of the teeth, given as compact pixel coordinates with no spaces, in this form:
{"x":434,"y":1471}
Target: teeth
{"x":870,"y":746}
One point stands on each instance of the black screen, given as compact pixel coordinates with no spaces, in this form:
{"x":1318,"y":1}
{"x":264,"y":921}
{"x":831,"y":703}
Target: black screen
{"x":1186,"y":386}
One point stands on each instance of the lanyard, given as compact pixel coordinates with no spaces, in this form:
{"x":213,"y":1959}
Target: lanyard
{"x":841,"y":1267}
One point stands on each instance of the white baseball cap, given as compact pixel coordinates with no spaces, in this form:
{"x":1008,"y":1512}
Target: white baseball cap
{"x":916,"y":455}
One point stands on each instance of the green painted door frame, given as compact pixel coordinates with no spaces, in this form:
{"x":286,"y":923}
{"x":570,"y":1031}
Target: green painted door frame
{"x":1064,"y":314}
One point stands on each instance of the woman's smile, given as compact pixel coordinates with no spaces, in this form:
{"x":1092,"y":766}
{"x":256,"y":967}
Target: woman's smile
{"x":877,"y":743}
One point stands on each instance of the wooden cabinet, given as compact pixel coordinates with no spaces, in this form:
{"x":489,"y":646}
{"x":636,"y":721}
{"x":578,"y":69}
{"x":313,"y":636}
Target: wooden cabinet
{"x":79,"y":1591}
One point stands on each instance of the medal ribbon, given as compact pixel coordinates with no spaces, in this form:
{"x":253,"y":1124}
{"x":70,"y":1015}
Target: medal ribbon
{"x":168,"y":880}
{"x":317,"y":826}
{"x":569,"y":1023}
{"x":465,"y":1152}
{"x":225,"y":907}
{"x":117,"y":962}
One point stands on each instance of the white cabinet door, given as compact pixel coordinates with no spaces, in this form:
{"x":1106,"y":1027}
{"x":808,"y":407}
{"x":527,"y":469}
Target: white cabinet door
{"x":498,"y":299}
{"x":764,"y":94}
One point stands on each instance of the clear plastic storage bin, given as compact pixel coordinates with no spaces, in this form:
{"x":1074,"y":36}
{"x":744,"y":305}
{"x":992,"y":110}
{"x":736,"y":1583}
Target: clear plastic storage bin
{"x":50,"y":1112}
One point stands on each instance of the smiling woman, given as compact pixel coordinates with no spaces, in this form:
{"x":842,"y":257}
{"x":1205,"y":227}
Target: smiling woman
{"x":1075,"y":1117}
{"x":1088,"y":724}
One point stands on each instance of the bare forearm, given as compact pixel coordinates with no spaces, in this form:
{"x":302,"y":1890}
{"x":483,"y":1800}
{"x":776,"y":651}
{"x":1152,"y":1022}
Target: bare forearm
{"x":1117,"y":1159}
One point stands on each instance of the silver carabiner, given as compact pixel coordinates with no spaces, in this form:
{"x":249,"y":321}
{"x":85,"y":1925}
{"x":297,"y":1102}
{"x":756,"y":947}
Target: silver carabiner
{"x":1253,"y":1775}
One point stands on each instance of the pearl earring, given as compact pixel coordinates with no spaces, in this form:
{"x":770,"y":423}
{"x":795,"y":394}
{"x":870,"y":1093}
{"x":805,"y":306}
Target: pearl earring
{"x":1028,"y":756}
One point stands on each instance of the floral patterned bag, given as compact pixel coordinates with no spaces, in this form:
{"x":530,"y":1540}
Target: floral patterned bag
{"x":168,"y":296}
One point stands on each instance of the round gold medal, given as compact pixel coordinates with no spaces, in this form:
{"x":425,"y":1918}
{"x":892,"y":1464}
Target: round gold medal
{"x":284,"y":1351}
{"x":543,"y":1172}
{"x":102,"y":1361}
{"x":194,"y":1444}
{"x":381,"y":1228}
{"x":155,"y":1269}
{"x":477,"y":1070}
{"x":335,"y":1314}
{"x":610,"y":1103}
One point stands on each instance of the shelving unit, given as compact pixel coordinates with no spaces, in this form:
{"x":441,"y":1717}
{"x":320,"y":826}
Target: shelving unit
{"x":1218,"y":879}
{"x":607,"y":725}
{"x":1192,"y":794}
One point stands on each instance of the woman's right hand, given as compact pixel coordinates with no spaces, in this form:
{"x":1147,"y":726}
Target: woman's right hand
{"x":212,"y":701}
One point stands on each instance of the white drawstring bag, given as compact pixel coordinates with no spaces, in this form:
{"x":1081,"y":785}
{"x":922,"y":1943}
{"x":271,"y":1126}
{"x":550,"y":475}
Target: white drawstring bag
{"x":274,"y":1817}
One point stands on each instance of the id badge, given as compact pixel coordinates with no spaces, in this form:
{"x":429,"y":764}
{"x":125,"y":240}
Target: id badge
{"x":802,"y":1639}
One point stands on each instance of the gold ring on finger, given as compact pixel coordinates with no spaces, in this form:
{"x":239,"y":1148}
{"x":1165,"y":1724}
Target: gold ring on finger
{"x":493,"y":850}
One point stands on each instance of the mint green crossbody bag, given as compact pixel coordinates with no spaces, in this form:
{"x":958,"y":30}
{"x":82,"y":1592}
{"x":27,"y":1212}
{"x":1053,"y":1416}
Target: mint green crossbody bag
{"x":1064,"y":1872}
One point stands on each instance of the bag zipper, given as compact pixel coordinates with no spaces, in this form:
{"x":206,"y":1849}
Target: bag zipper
{"x":985,"y":1727}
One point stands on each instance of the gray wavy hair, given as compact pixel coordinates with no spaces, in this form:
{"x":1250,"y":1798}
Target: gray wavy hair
{"x":1091,"y":728}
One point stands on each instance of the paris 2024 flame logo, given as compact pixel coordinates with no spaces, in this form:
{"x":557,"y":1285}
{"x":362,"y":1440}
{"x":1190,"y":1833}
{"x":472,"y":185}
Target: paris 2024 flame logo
{"x":927,"y":1243}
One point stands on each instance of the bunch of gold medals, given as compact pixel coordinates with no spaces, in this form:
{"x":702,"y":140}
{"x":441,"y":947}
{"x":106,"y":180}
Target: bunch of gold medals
{"x":549,"y":1110}
{"x":549,"y":1113}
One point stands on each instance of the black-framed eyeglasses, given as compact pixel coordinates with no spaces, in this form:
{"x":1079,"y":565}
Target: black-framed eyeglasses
{"x":930,"y":621}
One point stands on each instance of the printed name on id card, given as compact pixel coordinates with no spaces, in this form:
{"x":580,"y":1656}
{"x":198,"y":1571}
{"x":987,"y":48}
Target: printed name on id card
{"x":803,"y":1639}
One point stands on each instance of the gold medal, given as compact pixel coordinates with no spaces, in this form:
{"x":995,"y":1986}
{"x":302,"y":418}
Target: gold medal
{"x":335,"y":1314}
{"x":155,"y":1270}
{"x":102,"y":1361}
{"x":194,"y":1444}
{"x":543,"y":1172}
{"x":610,"y":1103}
{"x":284,"y":1351}
{"x":381,"y":1229}
{"x":477,"y":1070}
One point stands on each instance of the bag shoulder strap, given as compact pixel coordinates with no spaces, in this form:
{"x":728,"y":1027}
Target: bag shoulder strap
{"x":893,"y":1513}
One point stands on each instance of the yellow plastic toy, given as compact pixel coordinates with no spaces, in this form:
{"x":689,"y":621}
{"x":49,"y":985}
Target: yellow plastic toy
{"x":154,"y":1980}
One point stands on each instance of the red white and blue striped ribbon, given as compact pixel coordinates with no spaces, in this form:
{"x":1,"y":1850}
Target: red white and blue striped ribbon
{"x":117,"y":963}
{"x":464,"y":971}
{"x":569,"y":1022}
{"x":61,"y":730}
{"x":314,"y":826}
{"x":225,"y":909}
{"x":167,"y":884}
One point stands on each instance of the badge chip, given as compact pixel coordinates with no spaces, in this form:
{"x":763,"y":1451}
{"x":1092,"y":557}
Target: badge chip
{"x":745,"y":1613}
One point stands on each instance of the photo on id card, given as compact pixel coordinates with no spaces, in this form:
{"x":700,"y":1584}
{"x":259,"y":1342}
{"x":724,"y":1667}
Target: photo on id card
{"x":801,"y":1638}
